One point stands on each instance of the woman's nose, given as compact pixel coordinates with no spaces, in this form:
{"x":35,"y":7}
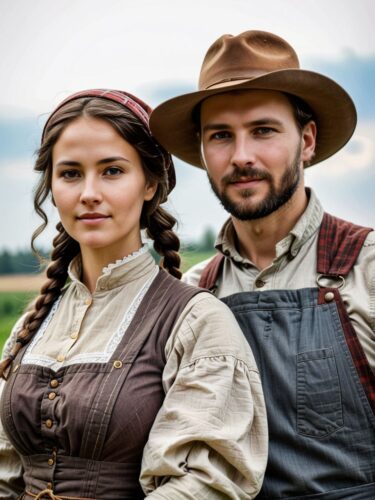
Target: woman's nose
{"x":91,"y":192}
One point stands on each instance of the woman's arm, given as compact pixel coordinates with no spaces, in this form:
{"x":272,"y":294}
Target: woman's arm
{"x":209,"y":440}
{"x":11,"y":483}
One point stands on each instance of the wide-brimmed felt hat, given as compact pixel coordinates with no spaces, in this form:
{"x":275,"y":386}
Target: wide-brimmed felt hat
{"x":255,"y":60}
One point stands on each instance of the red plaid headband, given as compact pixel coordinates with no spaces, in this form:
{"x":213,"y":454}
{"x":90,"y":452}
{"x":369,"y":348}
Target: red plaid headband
{"x":139,"y":108}
{"x":135,"y":105}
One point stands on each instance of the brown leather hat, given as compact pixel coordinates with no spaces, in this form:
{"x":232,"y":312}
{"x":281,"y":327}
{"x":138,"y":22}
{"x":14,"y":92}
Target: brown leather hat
{"x":262,"y":61}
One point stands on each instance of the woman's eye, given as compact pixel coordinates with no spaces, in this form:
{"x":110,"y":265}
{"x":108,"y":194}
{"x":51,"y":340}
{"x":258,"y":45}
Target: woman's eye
{"x":70,"y":174}
{"x":113,"y":171}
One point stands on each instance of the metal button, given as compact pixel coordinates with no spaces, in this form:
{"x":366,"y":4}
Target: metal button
{"x":117,"y":364}
{"x":16,"y":368}
{"x":259,"y":283}
{"x":60,"y":358}
{"x":49,"y":423}
{"x":54,"y":383}
{"x":74,"y":335}
{"x":50,"y":461}
{"x":329,"y":296}
{"x":52,"y":395}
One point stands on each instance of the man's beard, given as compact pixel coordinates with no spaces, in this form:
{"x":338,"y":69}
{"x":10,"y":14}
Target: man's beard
{"x":275,"y":198}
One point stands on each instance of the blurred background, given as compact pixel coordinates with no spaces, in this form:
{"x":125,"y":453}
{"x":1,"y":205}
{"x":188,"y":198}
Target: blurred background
{"x":49,"y":49}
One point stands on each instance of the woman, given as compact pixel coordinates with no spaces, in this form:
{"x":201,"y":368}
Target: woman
{"x":116,"y":358}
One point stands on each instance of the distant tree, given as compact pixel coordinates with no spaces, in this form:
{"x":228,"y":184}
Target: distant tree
{"x":207,"y":241}
{"x":19,"y":262}
{"x":6,"y":263}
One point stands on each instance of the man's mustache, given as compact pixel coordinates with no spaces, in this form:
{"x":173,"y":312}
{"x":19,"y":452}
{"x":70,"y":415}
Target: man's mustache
{"x":252,"y":173}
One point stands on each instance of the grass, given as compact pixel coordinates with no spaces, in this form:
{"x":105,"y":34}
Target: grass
{"x":190,"y":258}
{"x":11,"y":306}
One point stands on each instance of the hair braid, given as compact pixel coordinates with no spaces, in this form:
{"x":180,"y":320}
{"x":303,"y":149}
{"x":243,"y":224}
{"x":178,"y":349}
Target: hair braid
{"x":166,"y":242}
{"x":64,"y":249}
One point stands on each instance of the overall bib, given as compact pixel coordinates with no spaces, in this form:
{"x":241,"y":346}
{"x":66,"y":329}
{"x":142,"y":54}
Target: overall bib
{"x":81,"y":430}
{"x":318,"y":385}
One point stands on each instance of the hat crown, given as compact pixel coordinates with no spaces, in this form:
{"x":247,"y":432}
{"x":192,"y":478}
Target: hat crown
{"x":245,"y":56}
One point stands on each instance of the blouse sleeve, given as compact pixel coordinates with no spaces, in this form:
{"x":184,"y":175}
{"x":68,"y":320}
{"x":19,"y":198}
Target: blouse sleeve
{"x":209,"y":440}
{"x":11,"y":482}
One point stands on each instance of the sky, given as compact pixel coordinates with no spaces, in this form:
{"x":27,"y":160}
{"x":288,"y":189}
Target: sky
{"x":49,"y":49}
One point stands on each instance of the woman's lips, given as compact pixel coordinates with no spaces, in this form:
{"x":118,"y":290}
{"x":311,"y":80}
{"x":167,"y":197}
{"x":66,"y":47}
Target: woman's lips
{"x":92,"y":218}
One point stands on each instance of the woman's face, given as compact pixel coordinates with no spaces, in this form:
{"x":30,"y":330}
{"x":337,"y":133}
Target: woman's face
{"x":99,"y":187}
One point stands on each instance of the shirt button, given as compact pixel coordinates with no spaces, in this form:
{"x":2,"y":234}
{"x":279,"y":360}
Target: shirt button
{"x":60,"y":358}
{"x":88,"y":301}
{"x":74,"y":335}
{"x":329,"y":296}
{"x":54,"y":383}
{"x":49,"y":423}
{"x":226,"y":253}
{"x":259,"y":283}
{"x":50,"y":461}
{"x":52,"y":395}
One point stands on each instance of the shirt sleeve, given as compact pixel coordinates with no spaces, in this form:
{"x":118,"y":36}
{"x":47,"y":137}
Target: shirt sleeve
{"x":11,"y":482}
{"x":209,"y":440}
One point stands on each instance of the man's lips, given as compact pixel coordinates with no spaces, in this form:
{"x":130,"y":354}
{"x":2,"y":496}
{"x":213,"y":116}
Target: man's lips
{"x":244,"y":182}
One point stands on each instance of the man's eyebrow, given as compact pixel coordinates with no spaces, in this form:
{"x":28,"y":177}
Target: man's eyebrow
{"x":251,"y":123}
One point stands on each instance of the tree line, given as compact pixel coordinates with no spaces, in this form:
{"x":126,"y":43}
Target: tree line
{"x":25,"y":262}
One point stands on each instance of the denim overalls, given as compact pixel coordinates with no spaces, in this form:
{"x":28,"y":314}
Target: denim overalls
{"x":317,"y":383}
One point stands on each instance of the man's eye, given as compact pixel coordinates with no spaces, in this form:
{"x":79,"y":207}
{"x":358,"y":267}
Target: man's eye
{"x":264,"y":131}
{"x":113,"y":171}
{"x":217,"y":136}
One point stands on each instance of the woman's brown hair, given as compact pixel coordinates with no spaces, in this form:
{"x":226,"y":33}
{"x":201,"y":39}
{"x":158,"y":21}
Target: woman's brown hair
{"x":158,"y":223}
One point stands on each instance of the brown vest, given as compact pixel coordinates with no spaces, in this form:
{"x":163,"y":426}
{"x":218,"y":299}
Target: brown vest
{"x":81,"y":430}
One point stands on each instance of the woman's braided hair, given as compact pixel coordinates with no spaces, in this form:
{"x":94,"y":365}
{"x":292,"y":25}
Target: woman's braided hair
{"x":158,"y":223}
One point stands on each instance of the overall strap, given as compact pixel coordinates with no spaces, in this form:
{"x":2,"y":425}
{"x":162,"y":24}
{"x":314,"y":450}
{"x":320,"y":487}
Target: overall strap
{"x":211,"y":272}
{"x":160,"y":308}
{"x":339,"y":245}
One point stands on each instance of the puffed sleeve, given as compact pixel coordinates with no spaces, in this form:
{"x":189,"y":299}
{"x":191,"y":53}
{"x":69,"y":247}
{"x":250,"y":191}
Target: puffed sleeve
{"x":209,"y":440}
{"x":11,"y":483}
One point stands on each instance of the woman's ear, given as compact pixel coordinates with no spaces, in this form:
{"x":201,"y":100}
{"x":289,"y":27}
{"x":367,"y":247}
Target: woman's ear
{"x":150,"y":190}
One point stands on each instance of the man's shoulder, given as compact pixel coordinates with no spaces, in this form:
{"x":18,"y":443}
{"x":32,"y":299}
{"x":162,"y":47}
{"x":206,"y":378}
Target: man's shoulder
{"x":192,"y":276}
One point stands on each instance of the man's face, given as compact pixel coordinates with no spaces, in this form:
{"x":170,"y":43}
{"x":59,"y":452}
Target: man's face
{"x":253,"y":150}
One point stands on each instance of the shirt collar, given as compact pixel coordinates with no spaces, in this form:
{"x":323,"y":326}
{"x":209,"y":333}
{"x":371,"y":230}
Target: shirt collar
{"x":306,"y":226}
{"x":117,"y":273}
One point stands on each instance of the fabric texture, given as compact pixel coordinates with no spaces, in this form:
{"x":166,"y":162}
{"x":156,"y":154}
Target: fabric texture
{"x":295,"y":267}
{"x":205,"y":356}
{"x":316,"y":378}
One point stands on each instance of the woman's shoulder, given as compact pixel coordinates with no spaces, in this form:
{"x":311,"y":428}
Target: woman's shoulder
{"x":11,"y":340}
{"x":207,"y":327}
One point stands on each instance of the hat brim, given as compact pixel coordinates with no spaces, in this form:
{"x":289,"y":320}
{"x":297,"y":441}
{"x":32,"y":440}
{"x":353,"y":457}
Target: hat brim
{"x":334,"y":112}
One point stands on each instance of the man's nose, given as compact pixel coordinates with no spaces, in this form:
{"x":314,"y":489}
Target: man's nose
{"x":243,"y":153}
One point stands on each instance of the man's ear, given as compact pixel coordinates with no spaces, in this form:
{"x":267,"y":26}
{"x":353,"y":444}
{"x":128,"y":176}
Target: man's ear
{"x":201,"y":152}
{"x":309,"y":132}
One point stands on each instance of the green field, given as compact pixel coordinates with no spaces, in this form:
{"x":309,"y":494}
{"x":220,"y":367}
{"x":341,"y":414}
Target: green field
{"x":13,"y":303}
{"x":11,"y":306}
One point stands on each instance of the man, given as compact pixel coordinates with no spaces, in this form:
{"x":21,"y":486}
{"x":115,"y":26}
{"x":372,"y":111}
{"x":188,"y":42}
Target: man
{"x":300,"y":282}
